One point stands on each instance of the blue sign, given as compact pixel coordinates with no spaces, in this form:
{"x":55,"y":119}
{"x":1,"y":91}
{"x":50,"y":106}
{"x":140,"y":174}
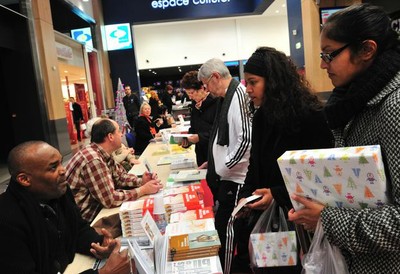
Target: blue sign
{"x":83,"y":35}
{"x":118,"y":36}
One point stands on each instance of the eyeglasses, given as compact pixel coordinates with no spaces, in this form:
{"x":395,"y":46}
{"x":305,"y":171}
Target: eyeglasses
{"x":208,"y":81}
{"x":328,"y":57}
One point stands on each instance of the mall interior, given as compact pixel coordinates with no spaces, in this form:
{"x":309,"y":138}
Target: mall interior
{"x":53,"y":49}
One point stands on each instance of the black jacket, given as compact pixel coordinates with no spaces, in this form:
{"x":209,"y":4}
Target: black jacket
{"x":131,"y":105}
{"x":201,"y":121}
{"x":269,"y":143}
{"x":35,"y":240}
{"x":143,"y":134}
{"x":77,"y":111}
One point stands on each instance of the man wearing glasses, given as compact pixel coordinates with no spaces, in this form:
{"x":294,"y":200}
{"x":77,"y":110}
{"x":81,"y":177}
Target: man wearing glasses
{"x":229,"y":147}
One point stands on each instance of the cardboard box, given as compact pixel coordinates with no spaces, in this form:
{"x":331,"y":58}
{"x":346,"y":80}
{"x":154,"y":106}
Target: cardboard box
{"x":340,"y":177}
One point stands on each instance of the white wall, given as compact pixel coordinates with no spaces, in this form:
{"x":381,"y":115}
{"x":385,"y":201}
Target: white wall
{"x":166,"y":45}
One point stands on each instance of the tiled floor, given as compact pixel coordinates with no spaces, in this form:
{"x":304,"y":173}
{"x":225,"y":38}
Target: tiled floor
{"x":5,"y":176}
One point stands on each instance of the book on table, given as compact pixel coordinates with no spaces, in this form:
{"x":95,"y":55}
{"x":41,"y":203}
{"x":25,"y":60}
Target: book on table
{"x":192,"y":239}
{"x":209,"y":265}
{"x":189,"y":187}
{"x":195,"y":214}
{"x":188,"y":175}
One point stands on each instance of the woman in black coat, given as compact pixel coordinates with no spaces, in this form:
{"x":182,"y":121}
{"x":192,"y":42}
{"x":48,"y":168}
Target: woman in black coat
{"x":288,"y":117}
{"x":144,"y":129}
{"x":201,"y":117}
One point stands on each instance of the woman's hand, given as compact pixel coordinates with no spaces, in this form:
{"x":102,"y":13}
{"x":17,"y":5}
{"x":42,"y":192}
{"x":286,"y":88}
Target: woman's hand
{"x":265,"y":200}
{"x":307,"y":216}
{"x":203,"y":165}
{"x":194,"y":138}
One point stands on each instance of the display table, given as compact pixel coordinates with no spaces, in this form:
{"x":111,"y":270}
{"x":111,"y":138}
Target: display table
{"x":152,"y":154}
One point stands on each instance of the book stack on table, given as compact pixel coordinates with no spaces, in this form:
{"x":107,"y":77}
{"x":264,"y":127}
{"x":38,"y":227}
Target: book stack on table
{"x":192,"y":239}
{"x":131,"y":214}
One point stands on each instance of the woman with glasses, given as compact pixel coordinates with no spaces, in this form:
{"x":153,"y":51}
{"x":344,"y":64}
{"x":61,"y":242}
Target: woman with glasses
{"x":361,"y":54}
{"x":201,"y":117}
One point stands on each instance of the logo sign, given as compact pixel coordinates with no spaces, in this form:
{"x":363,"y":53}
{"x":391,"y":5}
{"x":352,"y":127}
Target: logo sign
{"x":118,"y":36}
{"x":83,"y":35}
{"x":149,"y":11}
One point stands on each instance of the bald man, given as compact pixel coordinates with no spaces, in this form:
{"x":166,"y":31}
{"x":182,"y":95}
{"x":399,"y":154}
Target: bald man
{"x":41,"y":228}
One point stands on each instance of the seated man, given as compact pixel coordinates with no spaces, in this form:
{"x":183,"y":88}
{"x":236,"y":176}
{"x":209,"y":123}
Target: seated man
{"x":40,"y":226}
{"x":97,"y":181}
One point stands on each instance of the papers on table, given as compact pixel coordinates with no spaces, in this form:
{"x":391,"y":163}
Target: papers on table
{"x":141,"y":168}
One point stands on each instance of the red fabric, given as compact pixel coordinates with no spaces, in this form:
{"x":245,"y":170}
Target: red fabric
{"x":208,"y":197}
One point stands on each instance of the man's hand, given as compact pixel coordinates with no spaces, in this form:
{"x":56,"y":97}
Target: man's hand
{"x":118,"y":262}
{"x":151,"y":187}
{"x":148,"y":176}
{"x":104,"y":250}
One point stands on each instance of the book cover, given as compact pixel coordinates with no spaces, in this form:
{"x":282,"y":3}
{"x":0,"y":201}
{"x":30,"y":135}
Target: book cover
{"x":191,"y":241}
{"x":188,"y":175}
{"x":207,"y":265}
{"x":243,"y":202}
{"x":196,"y":214}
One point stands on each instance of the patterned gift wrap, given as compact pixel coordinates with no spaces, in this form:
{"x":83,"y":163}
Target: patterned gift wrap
{"x":274,"y":248}
{"x":340,"y":177}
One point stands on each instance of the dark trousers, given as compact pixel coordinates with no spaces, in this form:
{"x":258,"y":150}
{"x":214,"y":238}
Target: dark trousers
{"x":227,"y":195}
{"x":78,"y":129}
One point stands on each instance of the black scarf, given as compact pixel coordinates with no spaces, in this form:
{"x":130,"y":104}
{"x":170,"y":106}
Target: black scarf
{"x":221,"y":126}
{"x":346,"y":102}
{"x":222,"y":113}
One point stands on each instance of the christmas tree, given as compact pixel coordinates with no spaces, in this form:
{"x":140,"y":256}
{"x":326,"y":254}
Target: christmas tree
{"x":120,"y":115}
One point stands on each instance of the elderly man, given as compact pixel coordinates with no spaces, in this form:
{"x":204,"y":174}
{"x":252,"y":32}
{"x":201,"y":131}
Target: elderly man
{"x":229,"y":144}
{"x":95,"y":178}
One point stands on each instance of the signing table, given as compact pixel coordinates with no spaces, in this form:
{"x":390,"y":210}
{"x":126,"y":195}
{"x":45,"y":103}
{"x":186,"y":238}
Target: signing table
{"x":150,"y":156}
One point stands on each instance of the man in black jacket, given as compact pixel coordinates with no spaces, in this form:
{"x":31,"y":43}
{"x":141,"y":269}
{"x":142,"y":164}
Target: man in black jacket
{"x":132,"y":105}
{"x":41,"y":228}
{"x":77,"y":115}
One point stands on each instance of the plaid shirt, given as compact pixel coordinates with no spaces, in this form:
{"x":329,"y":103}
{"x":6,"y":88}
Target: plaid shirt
{"x":96,"y":181}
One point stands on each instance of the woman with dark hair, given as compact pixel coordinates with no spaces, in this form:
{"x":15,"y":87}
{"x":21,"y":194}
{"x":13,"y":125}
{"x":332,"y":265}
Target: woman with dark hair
{"x":361,"y":53}
{"x":201,"y":117}
{"x":287,"y":117}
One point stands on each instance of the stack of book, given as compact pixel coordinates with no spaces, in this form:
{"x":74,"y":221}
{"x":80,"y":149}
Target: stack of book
{"x":192,"y":239}
{"x":131,"y":214}
{"x":191,"y":187}
{"x":182,"y":202}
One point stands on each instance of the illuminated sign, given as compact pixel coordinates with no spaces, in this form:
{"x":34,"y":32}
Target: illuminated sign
{"x":164,"y":4}
{"x":83,"y":35}
{"x":149,"y":11}
{"x":118,"y":36}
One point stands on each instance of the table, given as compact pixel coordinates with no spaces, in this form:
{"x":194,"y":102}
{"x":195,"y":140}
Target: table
{"x":83,"y":262}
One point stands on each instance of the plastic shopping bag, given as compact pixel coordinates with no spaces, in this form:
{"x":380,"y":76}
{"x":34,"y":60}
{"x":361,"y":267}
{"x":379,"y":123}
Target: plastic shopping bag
{"x":271,"y":242}
{"x":323,"y":257}
{"x":83,"y":127}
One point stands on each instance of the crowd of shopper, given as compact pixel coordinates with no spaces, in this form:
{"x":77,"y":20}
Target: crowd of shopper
{"x":239,"y":130}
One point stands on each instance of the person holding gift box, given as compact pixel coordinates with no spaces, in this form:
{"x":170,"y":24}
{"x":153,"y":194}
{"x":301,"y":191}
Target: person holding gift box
{"x":361,"y":53}
{"x":288,"y":117}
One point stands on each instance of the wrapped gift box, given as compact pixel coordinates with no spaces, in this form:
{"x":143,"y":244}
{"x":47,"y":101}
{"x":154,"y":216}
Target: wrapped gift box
{"x":339,"y":177}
